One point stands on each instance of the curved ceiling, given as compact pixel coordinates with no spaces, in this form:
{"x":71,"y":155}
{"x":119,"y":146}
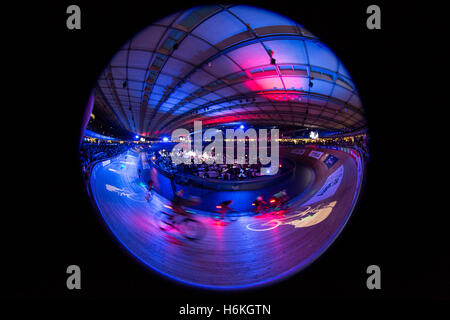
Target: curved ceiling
{"x":223,"y":64}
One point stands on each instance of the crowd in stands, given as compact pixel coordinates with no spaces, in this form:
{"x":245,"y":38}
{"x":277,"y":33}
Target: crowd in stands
{"x":233,"y":172}
{"x":90,"y":152}
{"x":357,"y":142}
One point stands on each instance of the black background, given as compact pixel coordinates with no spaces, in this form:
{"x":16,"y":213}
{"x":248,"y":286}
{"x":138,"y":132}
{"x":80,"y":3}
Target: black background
{"x":397,"y":224}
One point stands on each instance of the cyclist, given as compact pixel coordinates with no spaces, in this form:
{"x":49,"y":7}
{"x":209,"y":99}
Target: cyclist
{"x":150,"y":185}
{"x":259,"y":204}
{"x":177,"y":203}
{"x":281,"y":199}
{"x":224,"y":207}
{"x":150,"y":188}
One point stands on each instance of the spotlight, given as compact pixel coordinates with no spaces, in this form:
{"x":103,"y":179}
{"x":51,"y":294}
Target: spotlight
{"x":241,"y":126}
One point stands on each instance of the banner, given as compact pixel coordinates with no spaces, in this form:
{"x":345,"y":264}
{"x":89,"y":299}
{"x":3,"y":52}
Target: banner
{"x":330,"y":161}
{"x":315,"y":154}
{"x":323,"y":157}
{"x":330,"y":186}
{"x":298,"y":151}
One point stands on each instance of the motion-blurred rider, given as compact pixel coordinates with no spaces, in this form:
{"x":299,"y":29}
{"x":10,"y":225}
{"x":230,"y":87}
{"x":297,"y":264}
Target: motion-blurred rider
{"x":177,"y":203}
{"x":259,"y":204}
{"x":281,"y":198}
{"x":224,"y":207}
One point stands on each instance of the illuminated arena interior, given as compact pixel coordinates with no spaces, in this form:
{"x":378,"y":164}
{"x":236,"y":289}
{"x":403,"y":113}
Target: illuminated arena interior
{"x":231,"y":67}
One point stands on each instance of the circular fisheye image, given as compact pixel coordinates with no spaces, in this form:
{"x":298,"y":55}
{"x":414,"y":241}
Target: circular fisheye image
{"x":224,"y":146}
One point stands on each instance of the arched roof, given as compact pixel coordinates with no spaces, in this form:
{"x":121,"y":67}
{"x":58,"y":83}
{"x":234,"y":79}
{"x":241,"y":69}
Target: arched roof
{"x":228,"y":63}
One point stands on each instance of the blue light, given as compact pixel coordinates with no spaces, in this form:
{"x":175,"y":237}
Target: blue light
{"x":137,"y":137}
{"x":242,"y":126}
{"x":165,"y":139}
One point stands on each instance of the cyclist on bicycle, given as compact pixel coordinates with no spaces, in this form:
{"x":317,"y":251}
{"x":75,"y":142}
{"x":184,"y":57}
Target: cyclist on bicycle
{"x":149,"y":192}
{"x":177,"y":203}
{"x":281,"y":199}
{"x":259,"y":204}
{"x":150,"y":185}
{"x":224,"y":207}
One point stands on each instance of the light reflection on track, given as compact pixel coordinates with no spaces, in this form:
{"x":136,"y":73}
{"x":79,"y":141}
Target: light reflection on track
{"x":231,"y":254}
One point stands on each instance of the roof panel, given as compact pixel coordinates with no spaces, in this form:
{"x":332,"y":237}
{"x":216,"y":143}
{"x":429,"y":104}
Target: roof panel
{"x":168,"y":20}
{"x":119,"y":59}
{"x":319,"y":55}
{"x":139,"y":59}
{"x":250,"y":56}
{"x":201,"y":78}
{"x":222,"y":66}
{"x":288,"y":51}
{"x":296,"y":83}
{"x":211,"y":96}
{"x":136,"y":74}
{"x":188,"y":87}
{"x":194,"y":50}
{"x":355,"y":101}
{"x":322,"y":87}
{"x":143,"y":42}
{"x":226,"y":92}
{"x":165,"y":80}
{"x":341,"y":93}
{"x":176,"y":67}
{"x":258,"y":17}
{"x":272,"y":83}
{"x":119,"y":73}
{"x":224,"y":25}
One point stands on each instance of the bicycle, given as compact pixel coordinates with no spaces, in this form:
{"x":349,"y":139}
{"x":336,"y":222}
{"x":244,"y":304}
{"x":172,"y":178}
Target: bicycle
{"x":188,"y":227}
{"x":149,"y":195}
{"x":222,"y":209}
{"x":260,"y":208}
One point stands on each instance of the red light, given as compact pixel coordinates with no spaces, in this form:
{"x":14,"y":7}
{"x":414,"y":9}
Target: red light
{"x":272,"y":200}
{"x":219,"y":207}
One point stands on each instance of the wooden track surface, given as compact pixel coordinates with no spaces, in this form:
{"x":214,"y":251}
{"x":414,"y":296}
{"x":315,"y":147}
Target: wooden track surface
{"x":252,"y":250}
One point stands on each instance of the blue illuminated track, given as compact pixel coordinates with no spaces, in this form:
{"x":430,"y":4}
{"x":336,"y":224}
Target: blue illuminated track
{"x":246,"y":252}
